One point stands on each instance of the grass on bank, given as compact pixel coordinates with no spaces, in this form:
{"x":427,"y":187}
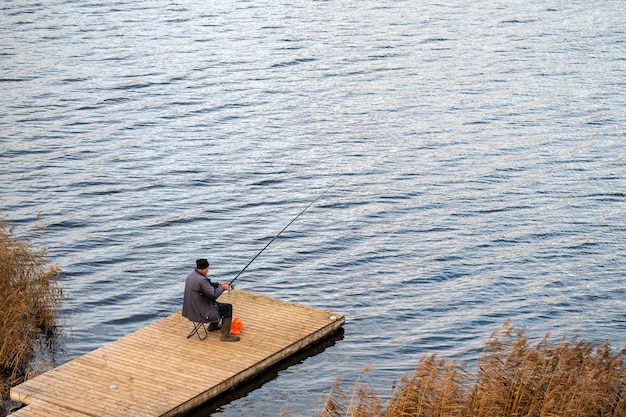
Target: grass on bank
{"x":572,"y":378}
{"x":29,"y":298}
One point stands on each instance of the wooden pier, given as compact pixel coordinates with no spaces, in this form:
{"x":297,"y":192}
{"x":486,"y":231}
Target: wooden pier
{"x":158,"y":371}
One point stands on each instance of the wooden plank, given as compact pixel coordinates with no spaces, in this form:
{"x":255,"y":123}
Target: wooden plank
{"x":42,"y":409}
{"x":158,"y":371}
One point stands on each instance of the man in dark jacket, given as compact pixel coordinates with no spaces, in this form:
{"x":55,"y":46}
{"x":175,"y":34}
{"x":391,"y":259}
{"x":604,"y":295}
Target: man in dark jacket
{"x":200,"y":301}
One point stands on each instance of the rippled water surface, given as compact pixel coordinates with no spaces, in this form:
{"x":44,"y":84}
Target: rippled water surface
{"x":472,"y":153}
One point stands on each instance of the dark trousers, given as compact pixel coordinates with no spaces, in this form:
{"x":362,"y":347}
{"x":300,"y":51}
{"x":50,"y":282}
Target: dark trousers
{"x":226,"y":310}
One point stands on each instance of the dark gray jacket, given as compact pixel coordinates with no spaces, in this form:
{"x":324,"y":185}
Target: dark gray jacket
{"x":200,"y":298}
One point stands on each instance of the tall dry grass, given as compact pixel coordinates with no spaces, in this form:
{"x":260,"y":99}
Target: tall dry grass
{"x":29,"y":298}
{"x":361,"y":402}
{"x":572,"y":378}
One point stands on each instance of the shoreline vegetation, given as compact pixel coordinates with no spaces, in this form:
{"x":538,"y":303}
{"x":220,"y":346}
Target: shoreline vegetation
{"x":30,"y":297}
{"x":572,"y":378}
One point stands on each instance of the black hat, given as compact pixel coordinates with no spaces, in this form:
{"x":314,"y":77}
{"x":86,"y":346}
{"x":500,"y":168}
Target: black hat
{"x":202,"y":263}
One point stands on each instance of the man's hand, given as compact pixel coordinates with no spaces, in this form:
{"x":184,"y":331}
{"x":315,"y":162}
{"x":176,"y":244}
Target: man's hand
{"x":225,"y":285}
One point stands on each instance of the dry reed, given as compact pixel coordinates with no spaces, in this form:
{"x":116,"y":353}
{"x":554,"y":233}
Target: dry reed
{"x":362,"y":402}
{"x":434,"y":388}
{"x":573,"y":378}
{"x":28,"y":306}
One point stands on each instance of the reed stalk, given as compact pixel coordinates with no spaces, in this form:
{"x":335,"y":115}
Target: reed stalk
{"x":361,"y":402}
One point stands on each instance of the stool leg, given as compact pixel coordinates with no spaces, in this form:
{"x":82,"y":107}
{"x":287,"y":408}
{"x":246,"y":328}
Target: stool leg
{"x":196,"y":330}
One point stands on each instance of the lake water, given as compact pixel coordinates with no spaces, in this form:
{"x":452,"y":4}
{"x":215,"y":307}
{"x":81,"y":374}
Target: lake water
{"x":473,"y":154}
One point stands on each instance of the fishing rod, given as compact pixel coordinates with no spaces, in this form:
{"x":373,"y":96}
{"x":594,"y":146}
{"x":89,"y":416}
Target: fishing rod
{"x":279,"y":233}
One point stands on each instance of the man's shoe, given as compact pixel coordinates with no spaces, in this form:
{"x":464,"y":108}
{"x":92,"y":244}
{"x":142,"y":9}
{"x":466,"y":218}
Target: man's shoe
{"x":214,"y":326}
{"x":229,"y":338}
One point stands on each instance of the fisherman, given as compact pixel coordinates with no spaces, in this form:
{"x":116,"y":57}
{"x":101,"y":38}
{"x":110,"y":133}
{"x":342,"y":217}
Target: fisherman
{"x":200,"y":301}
